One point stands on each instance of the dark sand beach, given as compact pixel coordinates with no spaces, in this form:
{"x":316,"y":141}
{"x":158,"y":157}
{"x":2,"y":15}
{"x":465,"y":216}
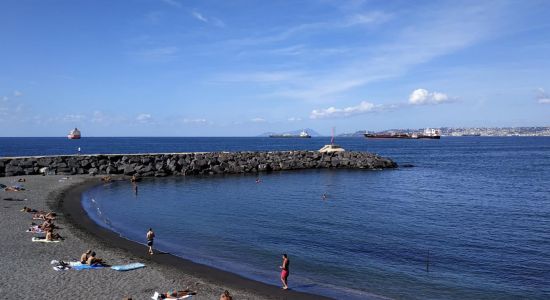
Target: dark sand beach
{"x":27,"y":272}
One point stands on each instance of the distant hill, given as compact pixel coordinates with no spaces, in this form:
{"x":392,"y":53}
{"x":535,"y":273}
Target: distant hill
{"x":310,"y":131}
{"x":355,"y":134}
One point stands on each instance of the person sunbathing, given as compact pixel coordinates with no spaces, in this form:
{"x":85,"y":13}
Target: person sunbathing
{"x":48,"y":224}
{"x":29,"y":210}
{"x":15,"y":188}
{"x":21,"y":180}
{"x":94,"y":261}
{"x":45,"y":216}
{"x":226,"y":296}
{"x":85,"y":256}
{"x":51,"y":236}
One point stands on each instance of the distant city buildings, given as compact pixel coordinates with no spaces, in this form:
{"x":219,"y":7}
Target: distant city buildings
{"x":472,"y":131}
{"x":496,"y":131}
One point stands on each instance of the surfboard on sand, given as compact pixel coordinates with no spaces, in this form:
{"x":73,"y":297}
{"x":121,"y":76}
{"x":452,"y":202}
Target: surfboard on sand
{"x":128,"y":267}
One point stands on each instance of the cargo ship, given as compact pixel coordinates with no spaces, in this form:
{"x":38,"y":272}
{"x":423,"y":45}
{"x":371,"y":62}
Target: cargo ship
{"x":428,"y":133}
{"x":74,"y":134}
{"x":303,"y":135}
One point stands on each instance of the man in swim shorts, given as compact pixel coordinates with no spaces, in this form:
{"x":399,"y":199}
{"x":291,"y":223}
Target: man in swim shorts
{"x":150,"y":239}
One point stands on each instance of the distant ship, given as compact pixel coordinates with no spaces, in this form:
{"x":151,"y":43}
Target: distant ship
{"x":428,"y":133}
{"x":303,"y":135}
{"x":74,"y":134}
{"x":471,"y":134}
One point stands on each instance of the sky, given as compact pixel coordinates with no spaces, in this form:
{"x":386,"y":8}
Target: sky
{"x":242,"y":68}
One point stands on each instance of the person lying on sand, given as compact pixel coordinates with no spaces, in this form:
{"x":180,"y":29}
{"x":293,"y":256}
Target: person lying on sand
{"x":85,"y":256}
{"x":29,"y":210}
{"x":95,"y":261}
{"x":176,"y":294}
{"x":46,"y":216}
{"x":15,"y":188}
{"x":51,"y":236}
{"x":21,"y":180}
{"x":226,"y":296}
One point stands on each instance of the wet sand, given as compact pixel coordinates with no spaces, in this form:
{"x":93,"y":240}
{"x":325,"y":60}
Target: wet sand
{"x":26,"y":271}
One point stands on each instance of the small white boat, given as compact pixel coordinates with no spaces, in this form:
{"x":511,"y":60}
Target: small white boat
{"x":331,"y":147}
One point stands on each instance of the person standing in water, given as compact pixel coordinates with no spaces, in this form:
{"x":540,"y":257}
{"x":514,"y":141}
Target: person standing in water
{"x":150,"y":238}
{"x":285,"y":271}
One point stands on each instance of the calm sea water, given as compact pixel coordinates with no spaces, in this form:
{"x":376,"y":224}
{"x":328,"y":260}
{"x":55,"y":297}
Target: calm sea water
{"x":477,"y":208}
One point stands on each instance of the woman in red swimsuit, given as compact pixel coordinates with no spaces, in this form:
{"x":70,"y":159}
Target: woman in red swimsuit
{"x":285,"y":271}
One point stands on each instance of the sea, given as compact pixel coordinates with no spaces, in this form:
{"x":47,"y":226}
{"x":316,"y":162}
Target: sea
{"x":461,"y":218}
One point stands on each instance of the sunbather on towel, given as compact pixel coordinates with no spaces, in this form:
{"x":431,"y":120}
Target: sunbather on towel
{"x":48,"y":224}
{"x":94,"y":261}
{"x":29,"y":210}
{"x":51,"y":236}
{"x":45,"y":216}
{"x":226,"y":296}
{"x":14,"y":188}
{"x":85,"y":256}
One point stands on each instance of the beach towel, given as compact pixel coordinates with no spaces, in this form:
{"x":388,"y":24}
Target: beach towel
{"x":87,"y":267}
{"x":35,"y":229}
{"x":43,"y":240}
{"x":63,"y":265}
{"x":128,"y":267}
{"x":157,"y":296}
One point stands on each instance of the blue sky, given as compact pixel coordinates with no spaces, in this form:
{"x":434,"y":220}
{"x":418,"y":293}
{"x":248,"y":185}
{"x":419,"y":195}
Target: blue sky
{"x":241,"y":68}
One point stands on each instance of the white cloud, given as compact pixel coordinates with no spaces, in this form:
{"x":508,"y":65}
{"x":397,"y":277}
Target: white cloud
{"x":17,"y":93}
{"x":375,"y":17}
{"x":211,"y":20}
{"x":260,"y":77}
{"x":422,"y":96}
{"x":258,"y":120}
{"x":333,"y":112}
{"x":441,"y":31}
{"x":5,"y":98}
{"x":144,"y":118}
{"x":174,"y":3}
{"x":294,"y":119}
{"x":199,"y":16}
{"x":98,"y":117}
{"x":159,"y":54}
{"x":542,"y":96}
{"x":197,"y":121}
{"x":74,"y":118}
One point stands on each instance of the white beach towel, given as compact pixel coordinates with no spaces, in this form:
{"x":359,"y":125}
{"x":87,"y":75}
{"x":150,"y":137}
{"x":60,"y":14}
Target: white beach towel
{"x":43,"y":240}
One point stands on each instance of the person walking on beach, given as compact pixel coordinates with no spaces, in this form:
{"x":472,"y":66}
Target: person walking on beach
{"x":150,"y":238}
{"x":285,"y":271}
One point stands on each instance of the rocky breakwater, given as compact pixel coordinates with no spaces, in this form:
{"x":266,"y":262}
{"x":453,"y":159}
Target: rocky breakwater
{"x":180,"y":164}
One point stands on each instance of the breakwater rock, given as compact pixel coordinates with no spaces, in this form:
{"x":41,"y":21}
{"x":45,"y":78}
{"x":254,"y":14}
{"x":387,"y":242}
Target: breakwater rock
{"x":178,"y":164}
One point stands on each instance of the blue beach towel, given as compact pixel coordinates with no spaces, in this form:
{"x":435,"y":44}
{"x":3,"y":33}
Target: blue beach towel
{"x":128,"y":267}
{"x":87,"y":267}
